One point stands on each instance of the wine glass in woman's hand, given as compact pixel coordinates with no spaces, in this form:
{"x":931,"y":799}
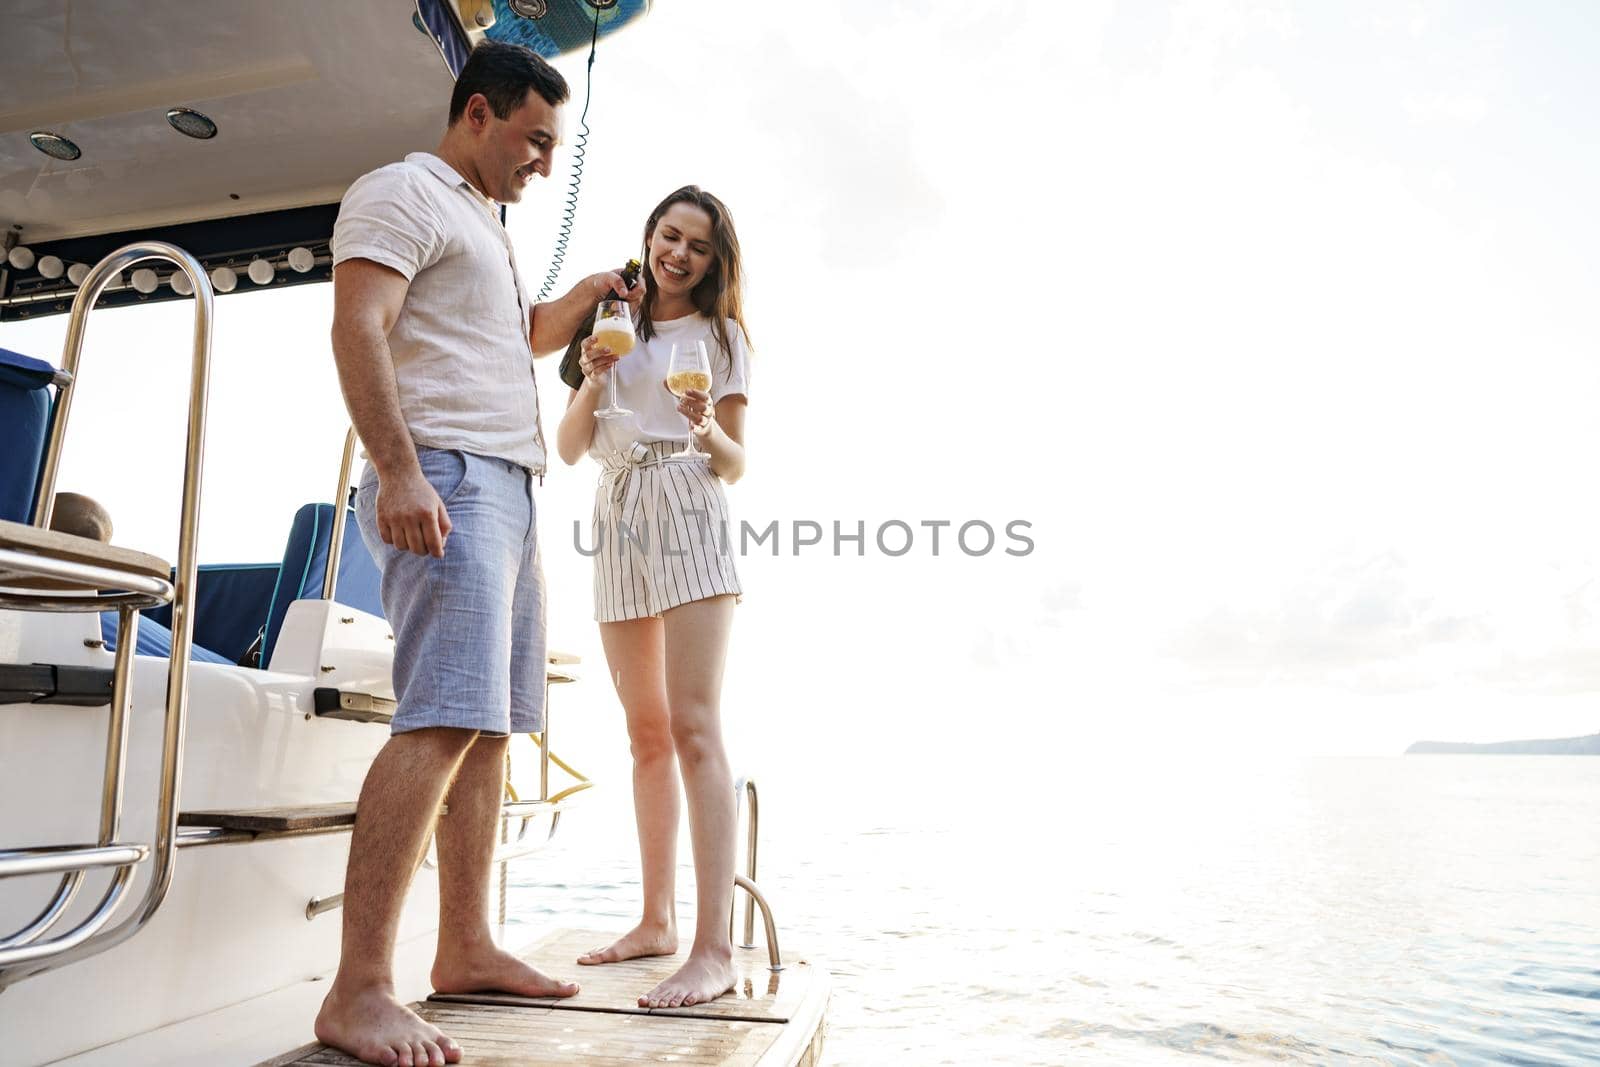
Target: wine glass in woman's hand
{"x":688,"y":369}
{"x":613,"y":329}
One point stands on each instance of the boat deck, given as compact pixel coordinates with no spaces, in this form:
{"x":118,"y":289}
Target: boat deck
{"x":770,"y":1019}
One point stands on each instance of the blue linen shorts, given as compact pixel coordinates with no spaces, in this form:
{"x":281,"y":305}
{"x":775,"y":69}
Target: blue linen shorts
{"x":469,"y":629}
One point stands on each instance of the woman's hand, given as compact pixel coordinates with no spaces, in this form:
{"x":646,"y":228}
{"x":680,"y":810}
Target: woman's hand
{"x":596,"y":361}
{"x":695,"y":405}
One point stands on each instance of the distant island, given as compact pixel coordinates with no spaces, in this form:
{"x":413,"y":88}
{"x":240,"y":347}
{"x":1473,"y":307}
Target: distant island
{"x":1559,"y":746}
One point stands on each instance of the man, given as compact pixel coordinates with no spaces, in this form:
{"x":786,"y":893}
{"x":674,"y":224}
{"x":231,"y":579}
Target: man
{"x":433,"y":336}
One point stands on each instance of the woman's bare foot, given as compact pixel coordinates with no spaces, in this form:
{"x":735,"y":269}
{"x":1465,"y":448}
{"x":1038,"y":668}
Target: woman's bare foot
{"x":704,"y":977}
{"x":374,"y":1027}
{"x":646,"y":939}
{"x":486,"y":969}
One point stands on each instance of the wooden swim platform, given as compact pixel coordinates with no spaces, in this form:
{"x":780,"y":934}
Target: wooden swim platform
{"x":769,"y":1020}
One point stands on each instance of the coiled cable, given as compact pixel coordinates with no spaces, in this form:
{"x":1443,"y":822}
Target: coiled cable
{"x":570,"y":211}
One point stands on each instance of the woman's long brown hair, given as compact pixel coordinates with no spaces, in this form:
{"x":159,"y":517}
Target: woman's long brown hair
{"x":718,"y":296}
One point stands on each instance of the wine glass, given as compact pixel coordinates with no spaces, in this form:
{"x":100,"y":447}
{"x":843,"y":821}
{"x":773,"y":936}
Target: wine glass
{"x":689,"y":368}
{"x":613,"y":327}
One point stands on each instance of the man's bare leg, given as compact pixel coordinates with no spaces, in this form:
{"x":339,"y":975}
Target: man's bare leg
{"x":635,"y":652}
{"x":468,"y":960}
{"x":398,"y":806}
{"x":696,"y":648}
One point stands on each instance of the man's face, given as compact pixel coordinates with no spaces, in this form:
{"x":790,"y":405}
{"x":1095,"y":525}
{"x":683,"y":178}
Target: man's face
{"x":510,"y":151}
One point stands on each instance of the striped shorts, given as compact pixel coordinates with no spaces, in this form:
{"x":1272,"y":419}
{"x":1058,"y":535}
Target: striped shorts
{"x":662,"y":535}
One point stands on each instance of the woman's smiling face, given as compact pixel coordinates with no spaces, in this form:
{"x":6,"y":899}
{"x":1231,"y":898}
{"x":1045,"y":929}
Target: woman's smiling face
{"x":680,"y":250}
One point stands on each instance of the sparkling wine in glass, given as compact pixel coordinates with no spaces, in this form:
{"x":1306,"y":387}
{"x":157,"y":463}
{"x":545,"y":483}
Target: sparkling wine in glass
{"x":613,"y":327}
{"x":689,"y":368}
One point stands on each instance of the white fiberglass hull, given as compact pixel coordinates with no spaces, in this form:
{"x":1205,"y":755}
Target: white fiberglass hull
{"x":234,"y":923}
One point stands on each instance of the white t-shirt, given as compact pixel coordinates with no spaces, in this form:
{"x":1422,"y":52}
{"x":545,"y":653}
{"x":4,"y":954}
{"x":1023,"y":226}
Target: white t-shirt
{"x":641,"y":384}
{"x":463,"y":364}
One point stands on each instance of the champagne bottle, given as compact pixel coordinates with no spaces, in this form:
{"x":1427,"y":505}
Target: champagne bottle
{"x":571,"y":372}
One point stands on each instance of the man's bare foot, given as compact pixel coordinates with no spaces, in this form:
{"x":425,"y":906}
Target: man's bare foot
{"x":703,"y":978}
{"x":374,"y":1027}
{"x":642,"y":940}
{"x":490,"y":969}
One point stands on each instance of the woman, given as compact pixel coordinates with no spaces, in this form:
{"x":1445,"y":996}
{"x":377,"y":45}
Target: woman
{"x":665,"y":586}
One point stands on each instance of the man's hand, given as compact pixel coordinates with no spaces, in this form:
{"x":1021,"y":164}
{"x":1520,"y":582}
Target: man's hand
{"x":411,"y":516}
{"x":608,"y":285}
{"x":554,"y":324}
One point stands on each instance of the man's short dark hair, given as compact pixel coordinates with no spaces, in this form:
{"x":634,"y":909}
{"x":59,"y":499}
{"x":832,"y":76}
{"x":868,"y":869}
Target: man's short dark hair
{"x":504,"y":73}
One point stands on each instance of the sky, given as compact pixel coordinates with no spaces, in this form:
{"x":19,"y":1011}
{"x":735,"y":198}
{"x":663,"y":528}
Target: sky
{"x":1268,"y":318}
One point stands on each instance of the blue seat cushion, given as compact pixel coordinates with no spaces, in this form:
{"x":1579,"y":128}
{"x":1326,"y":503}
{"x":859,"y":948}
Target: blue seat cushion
{"x":154,"y":639}
{"x":24,"y":425}
{"x":305,"y":559}
{"x":230,"y":600}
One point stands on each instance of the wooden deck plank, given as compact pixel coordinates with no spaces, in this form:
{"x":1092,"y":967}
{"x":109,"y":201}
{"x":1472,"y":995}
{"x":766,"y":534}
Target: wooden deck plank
{"x":603,"y":1025}
{"x":494,"y":1036}
{"x":759,"y":995}
{"x":257,"y":820}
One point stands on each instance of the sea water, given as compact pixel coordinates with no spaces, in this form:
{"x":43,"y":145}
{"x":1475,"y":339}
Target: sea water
{"x":1422,"y":910}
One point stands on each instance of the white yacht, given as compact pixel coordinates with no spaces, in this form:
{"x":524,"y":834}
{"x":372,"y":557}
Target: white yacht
{"x":182,"y":745}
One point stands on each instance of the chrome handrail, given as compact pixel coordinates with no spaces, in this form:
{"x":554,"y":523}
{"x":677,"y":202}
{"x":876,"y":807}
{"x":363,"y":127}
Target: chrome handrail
{"x":746,"y":787}
{"x":330,"y":579}
{"x":774,"y":957}
{"x":111,"y":787}
{"x":56,"y":859}
{"x":142,"y":590}
{"x":21,"y":961}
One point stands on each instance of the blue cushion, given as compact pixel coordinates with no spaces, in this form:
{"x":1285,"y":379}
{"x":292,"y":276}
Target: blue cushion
{"x":24,"y":425}
{"x":230,"y":600}
{"x":305,"y":558}
{"x":154,"y":639}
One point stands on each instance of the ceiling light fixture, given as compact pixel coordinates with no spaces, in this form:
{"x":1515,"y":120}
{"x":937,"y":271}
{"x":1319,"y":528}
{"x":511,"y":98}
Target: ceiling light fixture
{"x":191,"y":123}
{"x":55,"y":146}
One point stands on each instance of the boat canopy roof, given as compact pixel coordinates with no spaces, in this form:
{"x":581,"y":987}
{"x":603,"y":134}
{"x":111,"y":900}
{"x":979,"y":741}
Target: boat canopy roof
{"x":107,"y":109}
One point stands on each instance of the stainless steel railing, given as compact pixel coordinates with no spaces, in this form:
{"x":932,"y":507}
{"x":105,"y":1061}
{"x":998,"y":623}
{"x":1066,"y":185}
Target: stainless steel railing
{"x":27,"y":952}
{"x":330,"y":579}
{"x":745,"y":788}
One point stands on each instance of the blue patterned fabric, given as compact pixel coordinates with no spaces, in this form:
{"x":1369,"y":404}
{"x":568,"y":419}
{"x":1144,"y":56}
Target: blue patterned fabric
{"x":567,"y":25}
{"x":305,"y":559}
{"x":24,"y":425}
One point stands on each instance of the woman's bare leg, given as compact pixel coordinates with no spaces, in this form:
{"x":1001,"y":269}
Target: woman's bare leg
{"x":635,"y":655}
{"x":696,"y":648}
